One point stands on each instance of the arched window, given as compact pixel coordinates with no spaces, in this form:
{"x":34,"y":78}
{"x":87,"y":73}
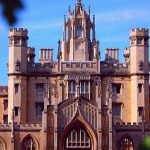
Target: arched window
{"x":79,"y":28}
{"x":79,"y":31}
{"x":126,"y":144}
{"x":78,"y":139}
{"x":29,"y":144}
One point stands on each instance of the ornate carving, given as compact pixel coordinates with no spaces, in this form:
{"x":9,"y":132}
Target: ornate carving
{"x":70,"y":109}
{"x":99,"y":88}
{"x":108,"y":92}
{"x":56,"y":95}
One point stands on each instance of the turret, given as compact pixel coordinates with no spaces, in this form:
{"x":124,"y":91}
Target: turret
{"x":17,"y":68}
{"x":18,"y":50}
{"x":139,"y":50}
{"x":139,"y":69}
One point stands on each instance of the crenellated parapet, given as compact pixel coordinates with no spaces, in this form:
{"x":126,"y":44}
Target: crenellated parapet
{"x":5,"y":127}
{"x":36,"y":68}
{"x":130,"y":126}
{"x":18,"y":32}
{"x":88,"y":66}
{"x":139,"y":32}
{"x":139,"y":37}
{"x":28,"y":126}
{"x":114,"y":69}
{"x":21,"y":127}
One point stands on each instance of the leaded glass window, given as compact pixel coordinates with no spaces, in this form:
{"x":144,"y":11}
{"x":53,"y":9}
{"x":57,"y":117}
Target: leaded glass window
{"x":78,"y":138}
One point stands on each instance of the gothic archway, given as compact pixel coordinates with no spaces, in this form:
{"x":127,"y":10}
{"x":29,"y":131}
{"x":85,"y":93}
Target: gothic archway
{"x":29,"y":143}
{"x":126,"y":143}
{"x":78,"y":135}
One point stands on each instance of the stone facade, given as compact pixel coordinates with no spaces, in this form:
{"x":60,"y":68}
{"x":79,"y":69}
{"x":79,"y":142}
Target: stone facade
{"x":78,"y":102}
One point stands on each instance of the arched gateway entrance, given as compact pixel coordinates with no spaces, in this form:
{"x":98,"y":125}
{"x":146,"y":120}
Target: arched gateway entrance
{"x":78,"y":136}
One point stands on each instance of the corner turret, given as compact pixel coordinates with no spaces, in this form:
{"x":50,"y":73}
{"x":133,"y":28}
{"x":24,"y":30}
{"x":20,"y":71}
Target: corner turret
{"x":18,"y":50}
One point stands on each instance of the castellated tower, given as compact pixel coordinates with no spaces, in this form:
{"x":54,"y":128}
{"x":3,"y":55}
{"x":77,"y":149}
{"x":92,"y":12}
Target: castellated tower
{"x":139,"y":69}
{"x":17,"y":68}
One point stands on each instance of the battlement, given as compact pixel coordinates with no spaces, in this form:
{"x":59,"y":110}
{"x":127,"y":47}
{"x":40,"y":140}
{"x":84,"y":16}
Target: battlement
{"x":3,"y":90}
{"x":18,"y":32}
{"x":42,"y":68}
{"x":139,"y":32}
{"x":128,"y":124}
{"x":78,"y":66}
{"x":116,"y":69}
{"x":28,"y":126}
{"x":24,"y":127}
{"x":6,"y":127}
{"x":131,"y":126}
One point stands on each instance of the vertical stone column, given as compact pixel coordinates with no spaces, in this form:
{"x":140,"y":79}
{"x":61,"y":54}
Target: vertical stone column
{"x":99,"y":126}
{"x":12,"y":131}
{"x":77,"y":94}
{"x":56,"y":116}
{"x":44,"y":118}
{"x":110,"y":123}
{"x":110,"y":112}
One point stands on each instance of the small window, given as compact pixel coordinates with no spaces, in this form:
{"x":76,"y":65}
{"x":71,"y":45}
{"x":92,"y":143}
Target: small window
{"x":17,"y":66}
{"x":71,"y":86}
{"x":16,"y":111}
{"x":140,"y":88}
{"x":16,"y":86}
{"x":5,"y":104}
{"x":39,"y":89}
{"x":116,"y":88}
{"x":39,"y":109}
{"x":140,"y":111}
{"x":84,"y":86}
{"x":116,"y":109}
{"x":5,"y":119}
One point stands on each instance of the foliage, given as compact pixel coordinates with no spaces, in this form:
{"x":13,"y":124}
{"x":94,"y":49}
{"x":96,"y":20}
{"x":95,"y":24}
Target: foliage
{"x":9,"y":10}
{"x":146,"y":144}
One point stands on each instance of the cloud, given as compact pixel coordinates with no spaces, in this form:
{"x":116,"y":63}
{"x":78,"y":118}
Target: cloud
{"x":122,"y":15}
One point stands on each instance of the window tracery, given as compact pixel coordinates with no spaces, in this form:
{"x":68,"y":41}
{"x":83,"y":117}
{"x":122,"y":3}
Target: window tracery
{"x":29,"y":144}
{"x":126,"y":144}
{"x":78,"y":138}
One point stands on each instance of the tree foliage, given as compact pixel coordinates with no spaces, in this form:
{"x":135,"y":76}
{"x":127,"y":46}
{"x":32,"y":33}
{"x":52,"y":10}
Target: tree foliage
{"x":146,"y":144}
{"x":10,"y":8}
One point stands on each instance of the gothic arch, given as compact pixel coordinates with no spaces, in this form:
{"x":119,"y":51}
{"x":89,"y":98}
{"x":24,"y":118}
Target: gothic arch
{"x":78,"y":122}
{"x":126,"y":143}
{"x":2,"y":144}
{"x":29,"y":143}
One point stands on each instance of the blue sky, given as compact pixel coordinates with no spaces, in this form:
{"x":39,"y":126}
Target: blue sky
{"x":44,"y":21}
